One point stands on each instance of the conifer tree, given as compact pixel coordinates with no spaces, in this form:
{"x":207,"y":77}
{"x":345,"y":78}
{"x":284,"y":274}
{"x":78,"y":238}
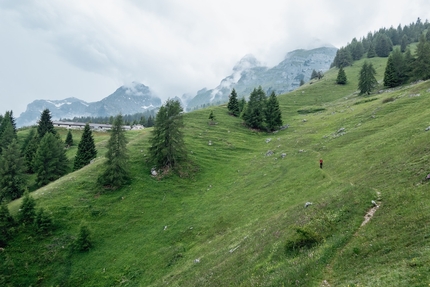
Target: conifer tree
{"x":69,"y":139}
{"x":383,"y":45}
{"x":6,"y":224}
{"x":367,"y":81}
{"x":116,"y":172}
{"x":371,"y":53}
{"x":45,"y":124}
{"x":314,"y":74}
{"x":422,"y":64}
{"x":83,"y":241}
{"x":301,"y":82}
{"x":167,"y":143}
{"x":86,"y":149}
{"x":150,"y":122}
{"x":233,"y":104}
{"x":404,"y":43}
{"x":42,"y":222}
{"x":341,"y":77}
{"x":5,"y":121}
{"x":253,"y":114}
{"x":30,"y":152}
{"x":7,"y":136}
{"x":395,"y":71}
{"x":12,"y":179}
{"x":50,"y":161}
{"x":242,"y":104}
{"x":273,"y":113}
{"x":212,"y":117}
{"x":27,"y":210}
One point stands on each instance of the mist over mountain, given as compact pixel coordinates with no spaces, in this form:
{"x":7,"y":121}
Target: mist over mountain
{"x":248,"y":74}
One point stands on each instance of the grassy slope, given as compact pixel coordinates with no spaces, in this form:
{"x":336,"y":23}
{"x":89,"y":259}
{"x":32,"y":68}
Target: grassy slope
{"x":237,"y":212}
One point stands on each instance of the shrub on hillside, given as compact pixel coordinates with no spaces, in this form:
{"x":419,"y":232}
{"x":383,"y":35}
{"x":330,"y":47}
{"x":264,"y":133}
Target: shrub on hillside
{"x":302,"y":239}
{"x":83,"y":241}
{"x":387,"y":100}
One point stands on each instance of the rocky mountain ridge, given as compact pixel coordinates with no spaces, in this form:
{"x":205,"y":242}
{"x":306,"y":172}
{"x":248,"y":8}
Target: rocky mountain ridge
{"x":127,"y":99}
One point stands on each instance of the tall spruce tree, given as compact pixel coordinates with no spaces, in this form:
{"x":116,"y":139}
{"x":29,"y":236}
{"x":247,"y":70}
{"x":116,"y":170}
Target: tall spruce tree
{"x":69,"y":139}
{"x":242,"y":104}
{"x":50,"y":161}
{"x":45,"y":124}
{"x":273,"y":113}
{"x":383,"y":45}
{"x":30,"y":151}
{"x":367,"y":81}
{"x":116,"y":172}
{"x":86,"y":149}
{"x":12,"y":179}
{"x":253,"y":114}
{"x":341,"y":77}
{"x":167,"y":143}
{"x":395,"y":71}
{"x":233,"y":104}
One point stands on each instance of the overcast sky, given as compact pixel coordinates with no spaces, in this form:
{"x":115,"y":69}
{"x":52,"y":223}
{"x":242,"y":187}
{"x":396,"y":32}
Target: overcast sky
{"x":88,"y":48}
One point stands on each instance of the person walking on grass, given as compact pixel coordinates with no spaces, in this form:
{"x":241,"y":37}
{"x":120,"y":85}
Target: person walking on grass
{"x":321,"y":163}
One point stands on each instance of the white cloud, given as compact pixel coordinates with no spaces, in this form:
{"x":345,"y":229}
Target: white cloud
{"x":87,"y":49}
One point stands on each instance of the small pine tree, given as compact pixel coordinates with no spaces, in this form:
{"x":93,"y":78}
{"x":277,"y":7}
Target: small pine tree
{"x":50,"y":161}
{"x":314,"y":75}
{"x":302,"y":82}
{"x":12,"y":179}
{"x":273,"y":113}
{"x":367,"y":81}
{"x":27,"y":211}
{"x":30,"y":152}
{"x":83,"y":241}
{"x":371,"y":53}
{"x":116,"y":172}
{"x":341,"y":77}
{"x":253,"y":115}
{"x":86,"y":149}
{"x":242,"y":104}
{"x":212,"y":118}
{"x":6,"y":224}
{"x":69,"y":139}
{"x":45,"y":124}
{"x":43,"y":222}
{"x":7,"y":136}
{"x":233,"y":104}
{"x":167,"y":143}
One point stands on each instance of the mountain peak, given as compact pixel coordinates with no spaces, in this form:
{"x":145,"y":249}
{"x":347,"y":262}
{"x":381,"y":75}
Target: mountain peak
{"x":247,"y":62}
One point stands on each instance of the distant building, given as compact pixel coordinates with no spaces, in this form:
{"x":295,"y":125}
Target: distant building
{"x":74,"y":125}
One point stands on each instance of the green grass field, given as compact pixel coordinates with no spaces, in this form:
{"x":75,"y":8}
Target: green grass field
{"x":227,"y":225}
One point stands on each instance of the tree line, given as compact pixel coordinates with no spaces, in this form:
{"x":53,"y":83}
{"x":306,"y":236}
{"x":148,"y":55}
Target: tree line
{"x":145,"y":119}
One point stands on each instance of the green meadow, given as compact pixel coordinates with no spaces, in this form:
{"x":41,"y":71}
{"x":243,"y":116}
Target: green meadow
{"x":228,"y":224}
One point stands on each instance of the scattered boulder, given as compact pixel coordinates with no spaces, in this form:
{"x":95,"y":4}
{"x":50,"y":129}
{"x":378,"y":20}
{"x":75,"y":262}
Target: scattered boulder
{"x":268,"y":140}
{"x":428,"y":128}
{"x":197,"y":260}
{"x":154,"y":172}
{"x":284,"y":127}
{"x":269,"y":153}
{"x":308,"y":204}
{"x":283,"y":154}
{"x":210,"y":143}
{"x":341,"y":130}
{"x":301,"y":150}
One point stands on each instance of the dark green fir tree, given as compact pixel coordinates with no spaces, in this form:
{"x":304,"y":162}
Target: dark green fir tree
{"x":367,"y":81}
{"x":167,"y":149}
{"x":45,"y":124}
{"x":6,"y":224}
{"x":86,"y":149}
{"x":253,"y":114}
{"x":341,"y":77}
{"x":50,"y":161}
{"x":69,"y":139}
{"x":12,"y":177}
{"x":273,"y":113}
{"x":233,"y":104}
{"x":116,"y":172}
{"x":27,"y":210}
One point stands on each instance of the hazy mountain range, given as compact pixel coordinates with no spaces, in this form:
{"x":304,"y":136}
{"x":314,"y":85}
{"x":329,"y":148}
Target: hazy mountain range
{"x":247,"y":74}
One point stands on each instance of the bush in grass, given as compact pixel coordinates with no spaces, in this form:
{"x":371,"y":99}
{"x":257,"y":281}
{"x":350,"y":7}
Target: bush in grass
{"x":83,"y":241}
{"x":387,"y":100}
{"x":303,"y":238}
{"x":6,"y":224}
